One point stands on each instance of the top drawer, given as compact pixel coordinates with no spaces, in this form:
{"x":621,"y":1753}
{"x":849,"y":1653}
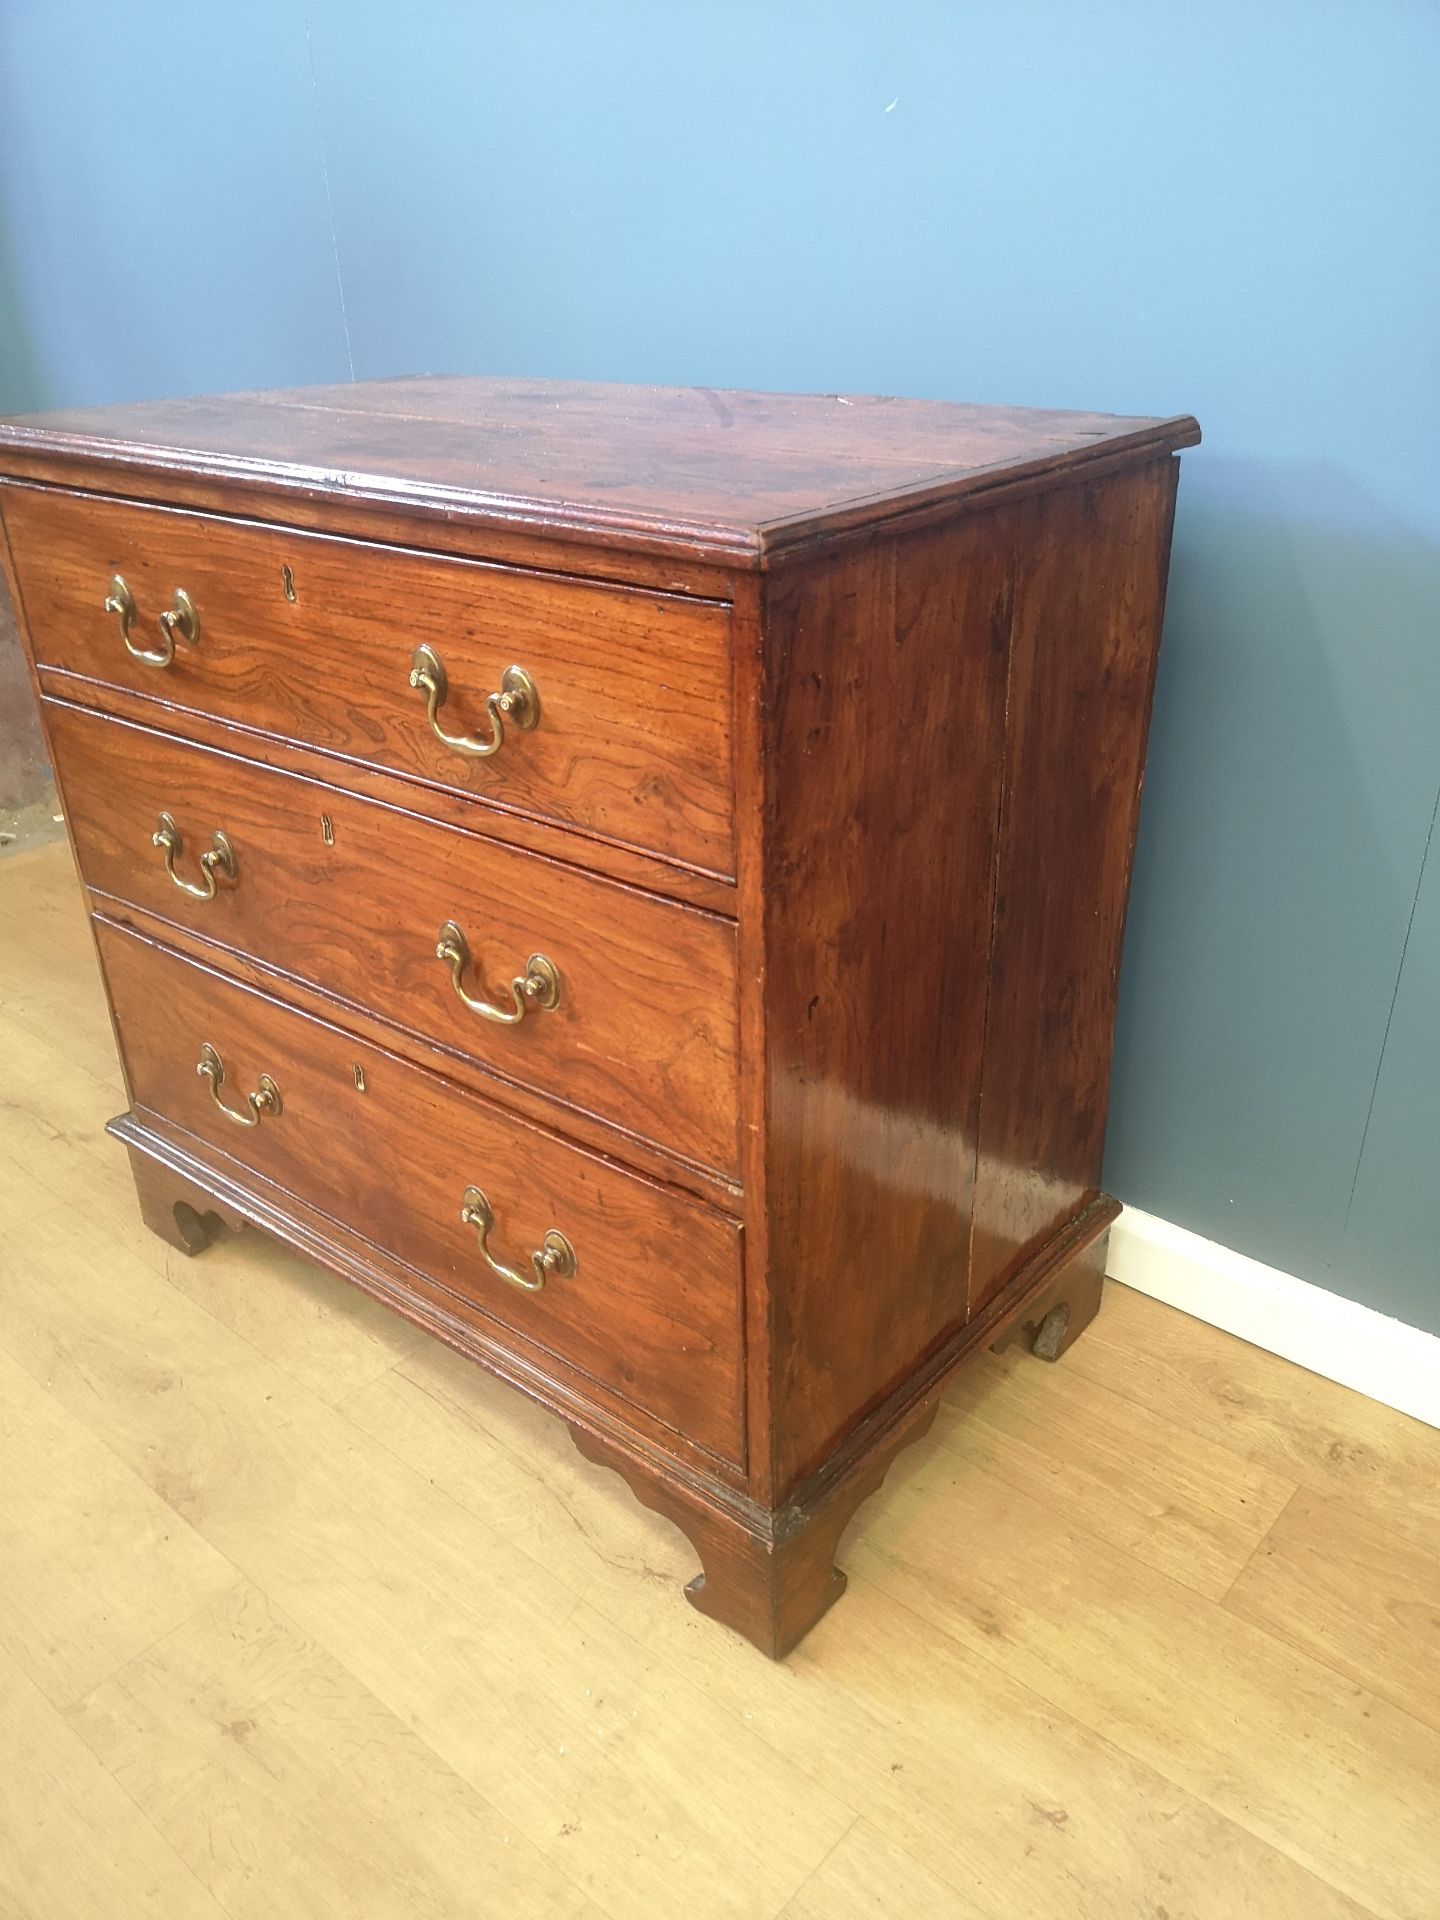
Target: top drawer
{"x":315,"y":638}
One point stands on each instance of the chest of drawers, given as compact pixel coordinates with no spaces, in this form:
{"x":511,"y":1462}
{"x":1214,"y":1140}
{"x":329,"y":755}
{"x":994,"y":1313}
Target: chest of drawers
{"x":632,"y":878}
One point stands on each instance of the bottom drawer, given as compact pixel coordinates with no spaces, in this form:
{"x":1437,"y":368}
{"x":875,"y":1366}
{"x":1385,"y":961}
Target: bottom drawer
{"x":641,"y":1289}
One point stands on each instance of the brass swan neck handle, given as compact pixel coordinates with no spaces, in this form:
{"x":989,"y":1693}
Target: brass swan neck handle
{"x":219,"y":860}
{"x":180,"y":620}
{"x":554,"y":1255}
{"x":538,"y":987}
{"x":517,"y":701}
{"x":264,"y":1100}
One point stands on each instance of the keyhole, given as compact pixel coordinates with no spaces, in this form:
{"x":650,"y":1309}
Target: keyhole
{"x":288,"y":577}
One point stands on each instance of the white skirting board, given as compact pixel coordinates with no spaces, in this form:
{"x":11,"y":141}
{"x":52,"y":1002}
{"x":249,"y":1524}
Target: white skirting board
{"x":1378,"y":1356}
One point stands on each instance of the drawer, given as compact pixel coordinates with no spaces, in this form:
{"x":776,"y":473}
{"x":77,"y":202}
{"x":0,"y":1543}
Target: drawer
{"x":351,"y":896}
{"x":652,"y":1308}
{"x":314,"y":638}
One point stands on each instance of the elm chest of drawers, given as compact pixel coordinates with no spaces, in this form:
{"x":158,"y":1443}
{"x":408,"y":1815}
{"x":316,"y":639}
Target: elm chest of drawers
{"x":632,"y":878}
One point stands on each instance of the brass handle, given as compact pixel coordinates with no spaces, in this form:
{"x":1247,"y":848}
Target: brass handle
{"x":181,"y":619}
{"x":517,"y":700}
{"x":554,"y":1254}
{"x":220,"y":859}
{"x":265,"y":1099}
{"x":538,"y":986}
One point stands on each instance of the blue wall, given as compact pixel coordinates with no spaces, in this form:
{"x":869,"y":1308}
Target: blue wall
{"x":1225,"y":209}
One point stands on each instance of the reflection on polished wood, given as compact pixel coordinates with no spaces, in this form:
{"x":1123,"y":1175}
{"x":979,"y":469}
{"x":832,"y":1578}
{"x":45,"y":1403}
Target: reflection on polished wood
{"x":635,"y":739}
{"x":796,"y":740}
{"x":303,"y":1613}
{"x":646,"y":1031}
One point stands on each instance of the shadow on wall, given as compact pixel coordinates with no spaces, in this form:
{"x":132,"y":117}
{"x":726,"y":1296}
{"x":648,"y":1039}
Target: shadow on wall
{"x":1291,"y":787}
{"x":1391,"y":1254}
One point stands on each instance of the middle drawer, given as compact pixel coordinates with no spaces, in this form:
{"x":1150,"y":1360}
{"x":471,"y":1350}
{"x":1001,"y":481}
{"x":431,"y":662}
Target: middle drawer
{"x":355,"y":897}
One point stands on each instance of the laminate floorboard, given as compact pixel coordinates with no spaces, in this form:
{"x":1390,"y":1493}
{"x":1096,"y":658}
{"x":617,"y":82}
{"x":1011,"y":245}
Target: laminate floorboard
{"x":301,"y":1614}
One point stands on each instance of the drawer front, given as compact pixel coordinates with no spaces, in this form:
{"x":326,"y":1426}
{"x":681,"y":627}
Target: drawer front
{"x":352,"y":896}
{"x":652,"y":1308}
{"x":632,"y":739}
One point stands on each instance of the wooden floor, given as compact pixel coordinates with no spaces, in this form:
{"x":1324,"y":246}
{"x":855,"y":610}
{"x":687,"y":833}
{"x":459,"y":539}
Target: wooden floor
{"x":302,"y":1616}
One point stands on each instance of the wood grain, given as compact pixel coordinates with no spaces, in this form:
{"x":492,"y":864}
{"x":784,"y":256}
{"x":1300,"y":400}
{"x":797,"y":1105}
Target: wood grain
{"x":1222,"y":1710}
{"x":56,"y":1111}
{"x":956,"y":736}
{"x":443,"y":1575}
{"x":286,"y":1737}
{"x":866,"y":1876}
{"x":873,"y":698}
{"x":1185,"y":1505}
{"x":95,"y":1566}
{"x":1357,"y":1592}
{"x":669,"y":470}
{"x":333,"y":1349}
{"x":591,"y":1758}
{"x":1055,"y":1816}
{"x":75,"y":1844}
{"x":769,"y":1576}
{"x":633,"y":740}
{"x":1089,"y":598}
{"x":1214,"y":1388}
{"x":885,"y":726}
{"x":652,"y":873}
{"x":645,"y":1032}
{"x":653,"y":1308}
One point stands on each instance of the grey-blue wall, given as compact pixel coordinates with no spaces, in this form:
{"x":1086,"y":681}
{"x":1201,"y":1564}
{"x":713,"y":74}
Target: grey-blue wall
{"x":1228,"y":209}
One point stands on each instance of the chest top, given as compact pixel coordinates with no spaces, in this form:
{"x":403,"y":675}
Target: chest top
{"x":726,"y":476}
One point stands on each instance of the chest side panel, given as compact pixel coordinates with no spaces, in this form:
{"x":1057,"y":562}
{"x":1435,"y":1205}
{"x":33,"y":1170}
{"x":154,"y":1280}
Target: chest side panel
{"x":1089,"y":598}
{"x":883,"y":734}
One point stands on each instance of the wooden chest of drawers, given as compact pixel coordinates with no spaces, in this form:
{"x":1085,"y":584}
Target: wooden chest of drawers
{"x":632,"y":878}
